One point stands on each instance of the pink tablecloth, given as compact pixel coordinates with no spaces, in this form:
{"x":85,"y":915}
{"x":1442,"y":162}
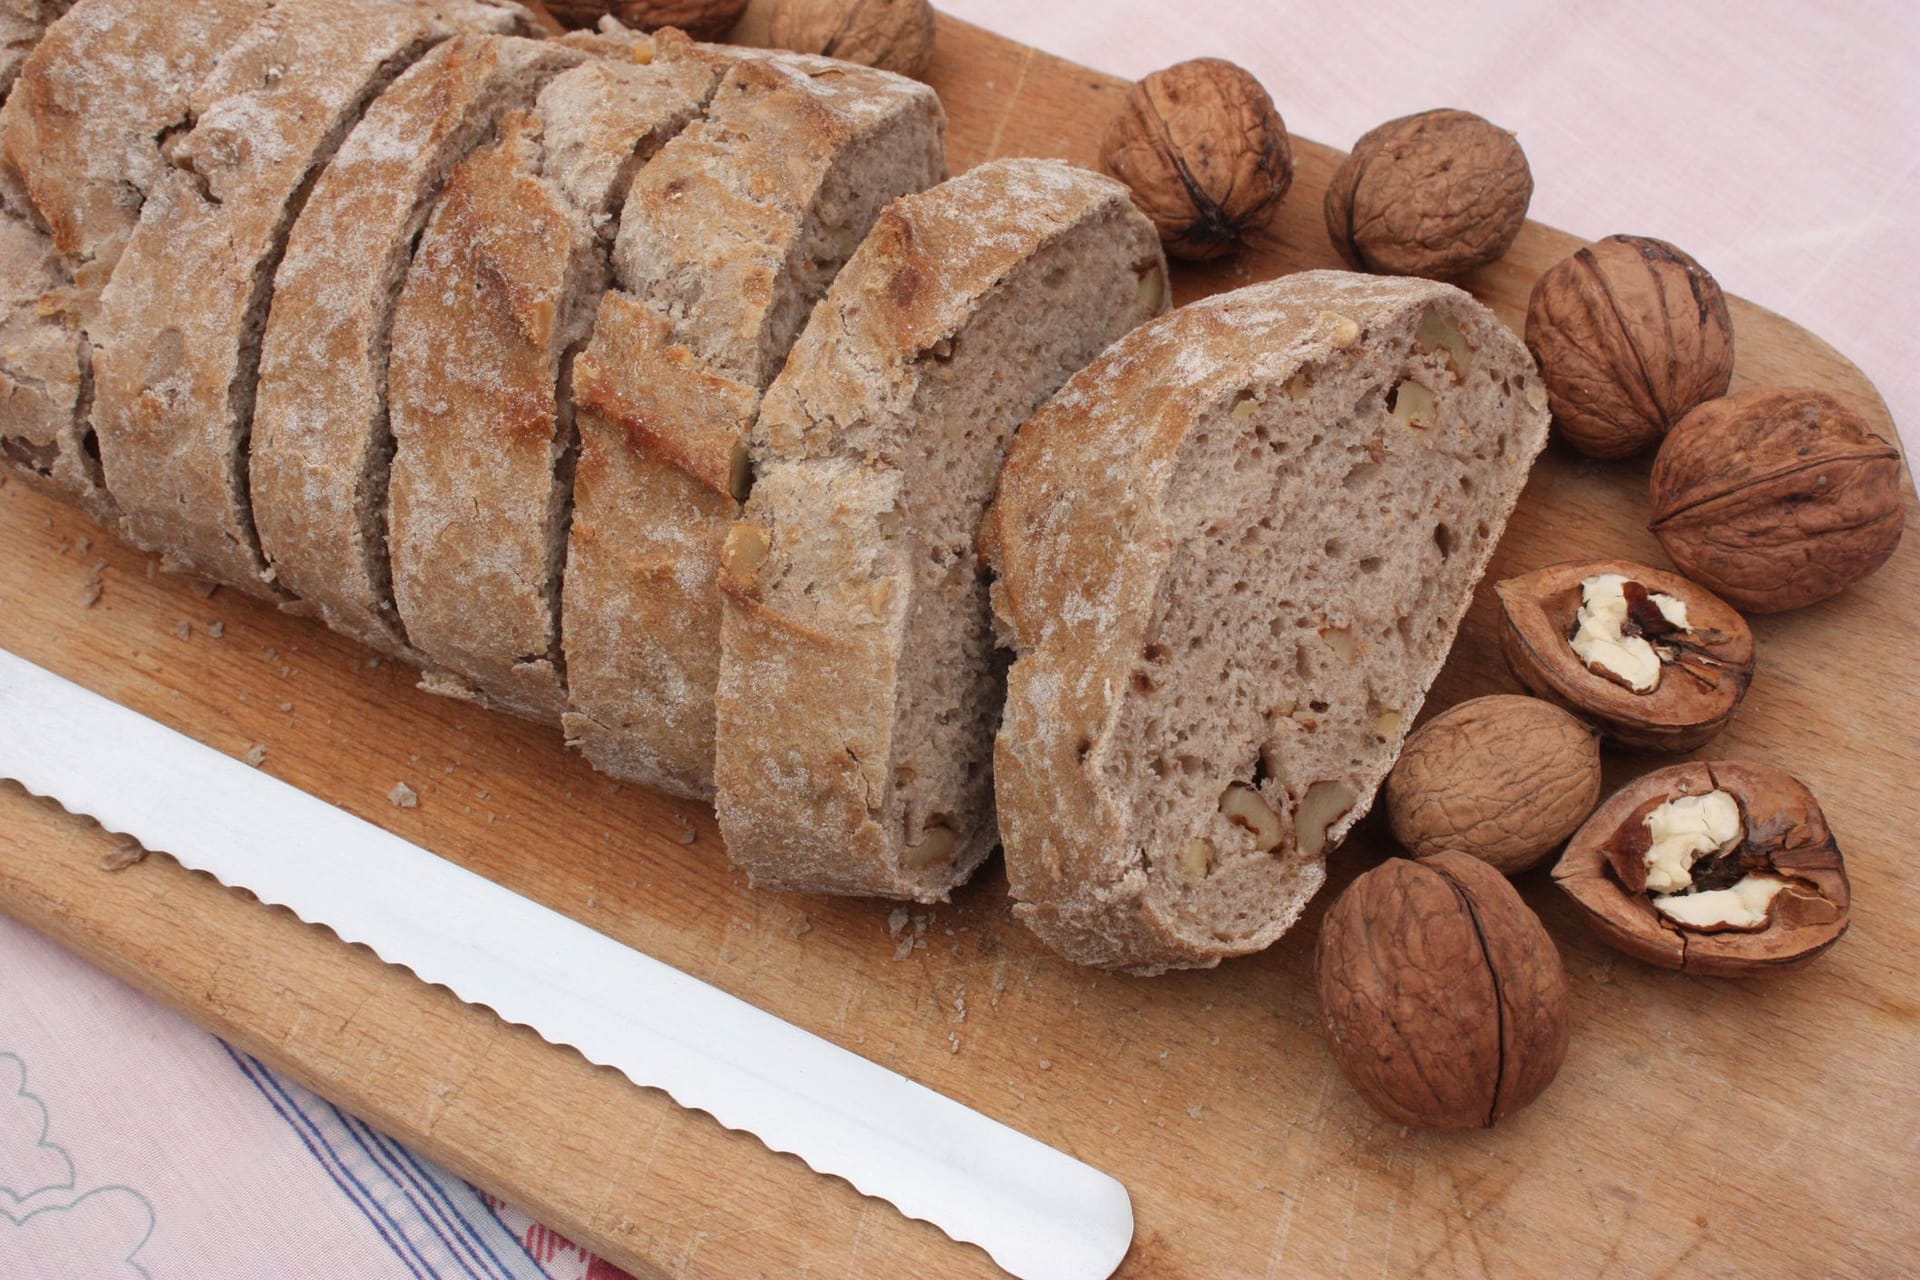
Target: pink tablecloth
{"x":1774,"y":141}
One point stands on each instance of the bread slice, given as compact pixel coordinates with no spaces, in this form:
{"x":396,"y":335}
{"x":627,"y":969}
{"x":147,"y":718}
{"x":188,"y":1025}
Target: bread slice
{"x":85,"y":125}
{"x":859,"y":687}
{"x":730,"y":236}
{"x":40,"y":363}
{"x":501,"y":294}
{"x":321,"y":440}
{"x":1232,"y":556}
{"x":81,"y":138}
{"x":22,"y":23}
{"x":177,"y":343}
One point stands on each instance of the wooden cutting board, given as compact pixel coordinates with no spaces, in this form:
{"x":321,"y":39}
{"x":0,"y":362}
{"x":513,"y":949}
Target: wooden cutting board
{"x":1768,"y":1127}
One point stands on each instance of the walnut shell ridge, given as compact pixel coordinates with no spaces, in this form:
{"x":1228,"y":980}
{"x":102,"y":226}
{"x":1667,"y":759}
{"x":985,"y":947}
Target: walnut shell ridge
{"x":1435,"y":194}
{"x":1443,"y":997}
{"x":1777,"y":498}
{"x":893,"y":35}
{"x":701,"y":19}
{"x":1503,"y":778}
{"x":1629,"y":333}
{"x":1205,"y":154}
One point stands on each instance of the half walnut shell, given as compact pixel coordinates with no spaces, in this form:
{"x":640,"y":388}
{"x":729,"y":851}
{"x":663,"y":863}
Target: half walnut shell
{"x":1704,"y":671}
{"x":1783,"y":835}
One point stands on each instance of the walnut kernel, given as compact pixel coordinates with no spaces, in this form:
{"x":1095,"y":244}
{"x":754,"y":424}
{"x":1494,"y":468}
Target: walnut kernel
{"x":1716,"y":867}
{"x":1651,"y":658}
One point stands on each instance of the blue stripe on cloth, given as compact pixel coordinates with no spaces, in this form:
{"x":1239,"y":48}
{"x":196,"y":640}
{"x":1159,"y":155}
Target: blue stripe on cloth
{"x":459,"y":1234}
{"x":429,"y":1218}
{"x":464,"y":1206}
{"x":343,"y":1177}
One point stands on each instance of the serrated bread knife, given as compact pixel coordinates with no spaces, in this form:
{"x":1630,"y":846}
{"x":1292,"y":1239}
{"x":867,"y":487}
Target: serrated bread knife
{"x":1036,"y":1211}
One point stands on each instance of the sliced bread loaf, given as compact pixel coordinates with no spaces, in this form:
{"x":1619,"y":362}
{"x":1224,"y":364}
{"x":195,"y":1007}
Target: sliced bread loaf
{"x":321,"y":439}
{"x":502,"y":292}
{"x":81,"y":134}
{"x":177,"y":343}
{"x":1232,"y":555}
{"x":730,"y":236}
{"x":859,"y":688}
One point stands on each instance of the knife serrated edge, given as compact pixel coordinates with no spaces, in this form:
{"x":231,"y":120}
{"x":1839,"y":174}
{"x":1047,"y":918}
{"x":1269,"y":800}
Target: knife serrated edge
{"x":1035,"y":1210}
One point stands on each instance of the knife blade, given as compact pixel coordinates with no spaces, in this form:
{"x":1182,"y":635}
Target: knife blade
{"x":1037,"y":1212}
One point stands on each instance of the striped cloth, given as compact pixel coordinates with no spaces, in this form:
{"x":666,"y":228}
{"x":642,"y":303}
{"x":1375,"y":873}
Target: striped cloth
{"x":134,"y":1145}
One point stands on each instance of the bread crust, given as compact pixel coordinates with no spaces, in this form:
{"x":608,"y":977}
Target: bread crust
{"x":1082,"y":540}
{"x":719,"y":260}
{"x":22,"y":23}
{"x":79,"y":153}
{"x":40,"y":364}
{"x":505,"y":285}
{"x":177,"y":341}
{"x":812,"y":686}
{"x":321,"y":442}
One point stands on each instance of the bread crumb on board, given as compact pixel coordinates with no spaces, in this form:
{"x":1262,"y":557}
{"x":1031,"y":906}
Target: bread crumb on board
{"x":125,"y":852}
{"x":256,"y":754}
{"x":403,"y":796}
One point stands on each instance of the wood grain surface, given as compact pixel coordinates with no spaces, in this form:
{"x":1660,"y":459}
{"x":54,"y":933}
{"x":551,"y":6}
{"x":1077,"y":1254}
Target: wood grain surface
{"x":1699,"y":1126}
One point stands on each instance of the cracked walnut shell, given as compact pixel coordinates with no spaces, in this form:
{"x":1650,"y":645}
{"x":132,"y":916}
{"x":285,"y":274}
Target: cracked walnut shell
{"x":893,"y":35}
{"x":1766,"y":893}
{"x":1629,"y":334}
{"x":1699,"y":671}
{"x":1444,"y":999}
{"x":1205,"y":154}
{"x":1777,"y":498}
{"x":701,"y":19}
{"x":1504,"y":778}
{"x":1435,"y":194}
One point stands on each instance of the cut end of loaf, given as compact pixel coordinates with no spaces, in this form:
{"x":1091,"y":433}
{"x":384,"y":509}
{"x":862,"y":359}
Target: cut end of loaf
{"x":1308,"y":524}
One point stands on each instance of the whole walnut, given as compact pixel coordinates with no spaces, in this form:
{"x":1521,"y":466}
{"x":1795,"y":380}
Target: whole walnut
{"x":1504,"y":778}
{"x":1776,"y":498}
{"x":1206,"y":156}
{"x":1629,"y":334}
{"x":701,"y":19}
{"x":1435,"y":194}
{"x":894,"y":35}
{"x":1444,"y":999}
